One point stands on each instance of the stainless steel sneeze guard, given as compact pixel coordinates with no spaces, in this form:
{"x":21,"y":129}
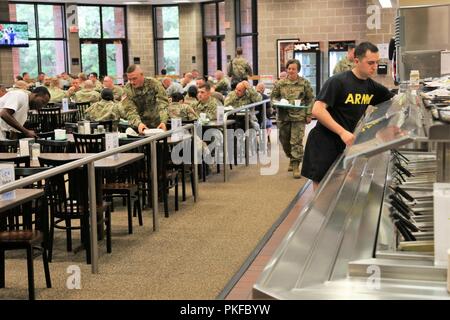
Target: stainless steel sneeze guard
{"x":341,"y":246}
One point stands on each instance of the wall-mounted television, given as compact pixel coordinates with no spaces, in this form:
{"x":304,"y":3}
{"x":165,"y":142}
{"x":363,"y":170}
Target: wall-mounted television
{"x":13,"y":34}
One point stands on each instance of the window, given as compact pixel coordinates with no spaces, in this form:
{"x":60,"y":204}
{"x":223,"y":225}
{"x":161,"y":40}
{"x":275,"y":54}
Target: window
{"x":214,"y":50}
{"x":47,"y":51}
{"x":103,"y":40}
{"x":246,"y":31}
{"x":166,"y":29}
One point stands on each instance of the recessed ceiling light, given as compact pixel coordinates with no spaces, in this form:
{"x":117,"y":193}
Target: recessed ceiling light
{"x":385,"y":3}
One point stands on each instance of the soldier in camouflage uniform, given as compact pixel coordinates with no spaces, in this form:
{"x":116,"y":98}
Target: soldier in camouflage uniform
{"x":206,"y":103}
{"x":222,"y":85}
{"x":105,"y":109}
{"x":346,"y":63}
{"x":56,"y":93}
{"x":117,"y":90}
{"x":88,"y":94}
{"x":179,"y":109}
{"x":97,"y":84}
{"x":146,"y":102}
{"x":239,"y":69}
{"x":70,"y":93}
{"x":244,"y":94}
{"x":291,"y":122}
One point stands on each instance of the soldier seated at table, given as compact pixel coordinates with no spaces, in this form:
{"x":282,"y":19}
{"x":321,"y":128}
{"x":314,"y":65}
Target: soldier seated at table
{"x":105,"y":109}
{"x":206,"y":103}
{"x":87,"y":94}
{"x":56,"y":93}
{"x":242,"y":95}
{"x":108,"y":83}
{"x":70,"y":93}
{"x":178,"y":109}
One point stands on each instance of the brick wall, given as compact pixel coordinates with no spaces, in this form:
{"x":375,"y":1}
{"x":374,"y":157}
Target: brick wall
{"x":308,"y":21}
{"x":383,"y":35}
{"x":321,"y":21}
{"x":191,"y":42}
{"x":140,"y":37}
{"x":6,"y":58}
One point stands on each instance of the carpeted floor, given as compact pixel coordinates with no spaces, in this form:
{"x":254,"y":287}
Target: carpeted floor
{"x":193,"y":255}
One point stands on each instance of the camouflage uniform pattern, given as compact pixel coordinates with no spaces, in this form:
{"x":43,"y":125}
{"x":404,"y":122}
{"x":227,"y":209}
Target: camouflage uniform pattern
{"x":56,"y":94}
{"x":250,"y":96}
{"x":189,"y":100}
{"x":291,"y":122}
{"x":182,"y":110}
{"x":239,"y":68}
{"x":71,"y":93}
{"x":209,"y":107}
{"x":343,"y":65}
{"x":86,"y":95}
{"x":103,"y":110}
{"x":98,"y":86}
{"x":222,"y":86}
{"x":147,"y":104}
{"x":117,"y":92}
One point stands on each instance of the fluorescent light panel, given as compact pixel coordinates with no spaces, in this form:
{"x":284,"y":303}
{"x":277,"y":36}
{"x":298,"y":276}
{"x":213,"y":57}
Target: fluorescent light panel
{"x":385,"y":3}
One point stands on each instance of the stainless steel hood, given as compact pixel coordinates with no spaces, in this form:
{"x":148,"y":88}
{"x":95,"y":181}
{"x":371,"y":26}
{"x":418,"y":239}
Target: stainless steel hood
{"x":343,"y":245}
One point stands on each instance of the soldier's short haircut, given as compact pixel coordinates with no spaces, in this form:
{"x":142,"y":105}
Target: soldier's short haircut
{"x":107,"y":94}
{"x":207,"y":86}
{"x":294,"y":61}
{"x":234,"y":83}
{"x":94,"y":74}
{"x":192,"y":91}
{"x":177,"y":97}
{"x":132,"y":68}
{"x":351,"y":46}
{"x":41,"y":91}
{"x":239,"y":51}
{"x":363,"y":47}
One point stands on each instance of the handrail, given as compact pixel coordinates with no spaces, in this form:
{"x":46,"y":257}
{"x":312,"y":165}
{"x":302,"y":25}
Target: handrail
{"x":225,"y":135}
{"x":89,"y":161}
{"x":83,"y":161}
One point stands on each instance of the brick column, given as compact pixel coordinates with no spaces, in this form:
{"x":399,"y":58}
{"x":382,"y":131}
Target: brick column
{"x":191,"y":41}
{"x":6,"y":56}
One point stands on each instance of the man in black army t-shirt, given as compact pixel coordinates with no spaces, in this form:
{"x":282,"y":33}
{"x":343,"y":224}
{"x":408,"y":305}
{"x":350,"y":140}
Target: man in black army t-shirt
{"x":340,"y":104}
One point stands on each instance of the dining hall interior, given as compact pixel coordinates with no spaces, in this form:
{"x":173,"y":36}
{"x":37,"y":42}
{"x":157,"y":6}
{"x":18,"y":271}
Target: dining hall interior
{"x":146,"y":161}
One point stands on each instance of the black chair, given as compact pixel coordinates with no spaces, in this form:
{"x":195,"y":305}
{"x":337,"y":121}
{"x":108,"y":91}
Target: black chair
{"x":89,"y":143}
{"x":110,"y":125}
{"x":81,"y":107}
{"x":33,"y":122}
{"x":50,"y":118}
{"x":19,"y":161}
{"x":125,"y":184}
{"x":9,"y":146}
{"x":72,"y":204}
{"x":46,"y":135}
{"x":53,"y":146}
{"x":71,"y":127}
{"x":21,"y":236}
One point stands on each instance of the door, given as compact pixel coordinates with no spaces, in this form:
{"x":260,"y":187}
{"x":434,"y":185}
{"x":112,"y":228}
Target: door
{"x":105,"y":57}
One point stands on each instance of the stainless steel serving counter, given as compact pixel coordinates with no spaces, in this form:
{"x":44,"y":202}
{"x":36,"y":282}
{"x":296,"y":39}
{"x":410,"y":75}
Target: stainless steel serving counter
{"x":344,"y":244}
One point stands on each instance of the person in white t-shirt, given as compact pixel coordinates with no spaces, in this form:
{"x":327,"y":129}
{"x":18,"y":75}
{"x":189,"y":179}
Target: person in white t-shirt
{"x":14,"y":107}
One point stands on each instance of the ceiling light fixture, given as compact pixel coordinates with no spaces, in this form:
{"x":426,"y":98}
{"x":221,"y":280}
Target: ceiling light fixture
{"x":385,"y":3}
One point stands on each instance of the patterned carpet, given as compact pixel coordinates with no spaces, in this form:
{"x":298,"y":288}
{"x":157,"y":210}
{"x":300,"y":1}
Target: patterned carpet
{"x":193,"y":255}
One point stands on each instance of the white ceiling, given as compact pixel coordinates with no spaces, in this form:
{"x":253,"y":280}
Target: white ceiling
{"x":121,"y":2}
